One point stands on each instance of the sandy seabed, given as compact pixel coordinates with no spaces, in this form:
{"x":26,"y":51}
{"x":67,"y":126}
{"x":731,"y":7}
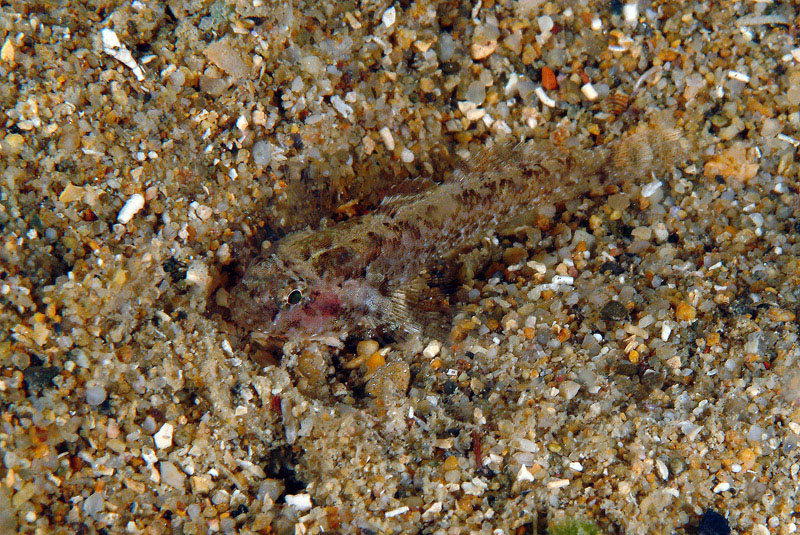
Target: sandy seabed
{"x":628,"y":358}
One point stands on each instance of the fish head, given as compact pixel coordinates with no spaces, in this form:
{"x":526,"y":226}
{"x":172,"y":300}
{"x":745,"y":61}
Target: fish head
{"x":277,"y":300}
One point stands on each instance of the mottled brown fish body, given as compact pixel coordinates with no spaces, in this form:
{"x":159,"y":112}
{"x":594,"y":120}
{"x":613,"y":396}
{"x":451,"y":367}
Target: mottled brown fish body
{"x":358,"y":274}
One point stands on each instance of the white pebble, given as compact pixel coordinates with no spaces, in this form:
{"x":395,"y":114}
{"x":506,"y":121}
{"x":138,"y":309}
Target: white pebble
{"x":342,"y":107}
{"x":524,"y":474}
{"x":163,"y":439}
{"x":691,"y":430}
{"x":543,"y":98}
{"x":95,"y":395}
{"x":198,"y":275}
{"x":397,"y":512}
{"x":557,"y":483}
{"x":662,"y":469}
{"x":651,"y":188}
{"x":630,"y":12}
{"x":722,"y":487}
{"x":576,"y":466}
{"x":241,"y":123}
{"x":546,"y":24}
{"x":389,"y":16}
{"x":570,"y":389}
{"x":432,"y":349}
{"x":589,"y":91}
{"x":597,"y":24}
{"x":386,"y":136}
{"x":132,"y":206}
{"x":666,"y":330}
{"x":262,"y":153}
{"x":406,"y":155}
{"x":302,"y":502}
{"x":740,"y":76}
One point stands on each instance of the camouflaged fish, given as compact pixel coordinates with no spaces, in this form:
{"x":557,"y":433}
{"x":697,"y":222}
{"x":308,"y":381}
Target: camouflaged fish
{"x":365,"y":273}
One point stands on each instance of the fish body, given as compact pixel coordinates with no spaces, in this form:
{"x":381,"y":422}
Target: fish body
{"x":361,"y":273}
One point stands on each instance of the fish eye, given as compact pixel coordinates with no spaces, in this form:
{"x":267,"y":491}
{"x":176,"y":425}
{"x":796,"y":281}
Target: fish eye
{"x":294,"y":297}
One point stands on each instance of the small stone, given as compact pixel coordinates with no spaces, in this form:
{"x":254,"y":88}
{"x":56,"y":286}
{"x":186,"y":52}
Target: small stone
{"x":756,"y":343}
{"x":131,"y":207}
{"x":732,"y":163}
{"x":569,"y":389}
{"x":691,"y":430}
{"x":524,"y":474}
{"x":7,"y":52}
{"x":262,"y":153}
{"x":171,"y":476}
{"x":389,"y":17}
{"x":390,"y":380}
{"x":198,"y":274}
{"x":312,"y":65}
{"x":95,"y":395}
{"x":484,"y":41}
{"x":93,"y":504}
{"x":614,"y":311}
{"x":163,"y":439}
{"x":367,"y":347}
{"x":386,"y":136}
{"x":38,"y":377}
{"x":13,"y":144}
{"x":476,"y":93}
{"x":722,"y":487}
{"x":713,"y":523}
{"x":300,"y":501}
{"x":549,"y":81}
{"x":227,"y":58}
{"x":685,"y":312}
{"x":432,"y":349}
{"x":662,"y":469}
{"x":71,"y":193}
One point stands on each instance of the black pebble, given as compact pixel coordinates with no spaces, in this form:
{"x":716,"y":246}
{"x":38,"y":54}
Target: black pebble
{"x":613,"y":311}
{"x":615,"y":268}
{"x":38,"y":377}
{"x":713,"y":523}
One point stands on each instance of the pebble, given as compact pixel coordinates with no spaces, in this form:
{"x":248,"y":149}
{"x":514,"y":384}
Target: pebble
{"x":386,"y":136}
{"x":432,"y":349}
{"x":94,"y":504}
{"x":95,"y":395}
{"x":523,"y":474}
{"x":171,"y":475}
{"x":685,"y":312}
{"x":262,"y":153}
{"x":163,"y":438}
{"x":549,"y":81}
{"x":302,"y":502}
{"x":569,"y":389}
{"x":476,"y":93}
{"x":130,"y":208}
{"x":713,"y":523}
{"x":589,"y":92}
{"x":613,"y":311}
{"x":227,"y":58}
{"x":389,"y":16}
